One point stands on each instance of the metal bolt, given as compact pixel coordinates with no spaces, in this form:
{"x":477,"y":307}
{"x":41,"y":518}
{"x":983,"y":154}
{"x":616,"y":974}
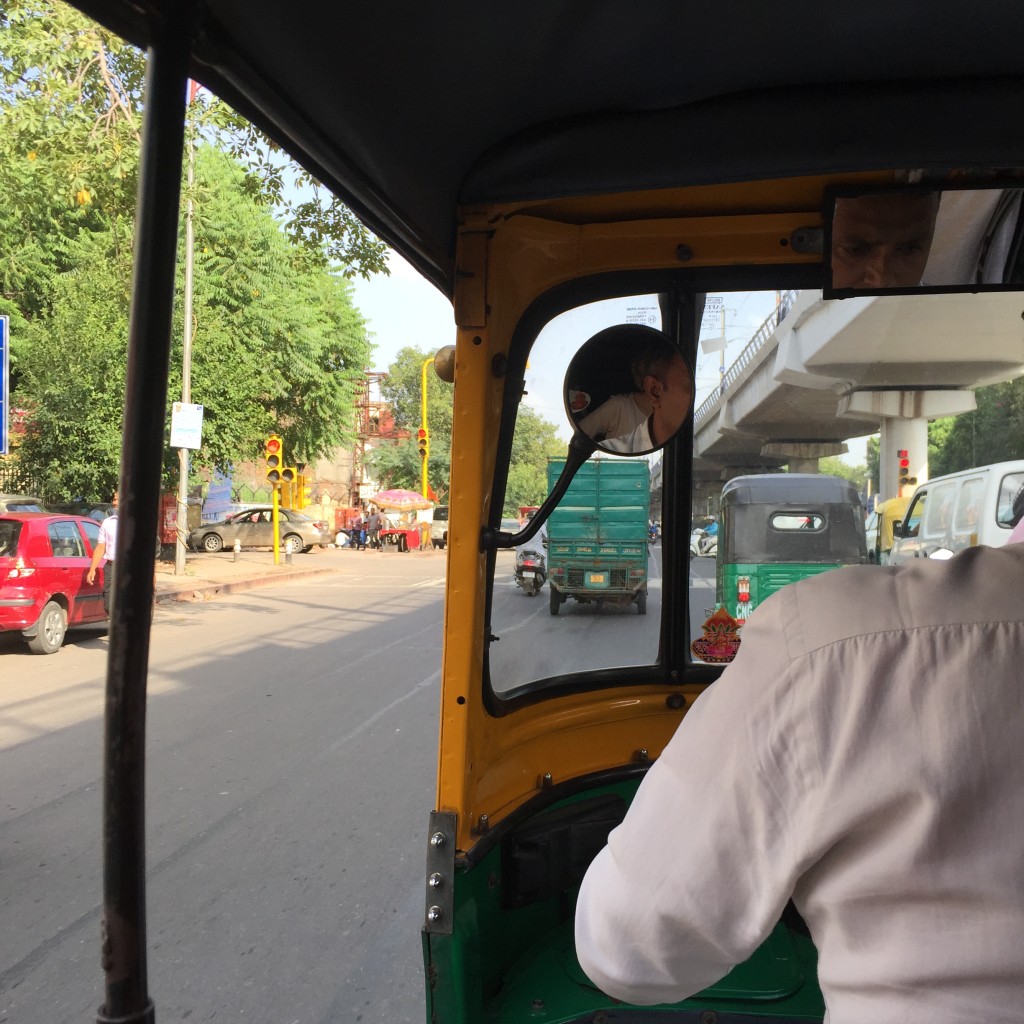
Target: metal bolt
{"x":537,"y":1004}
{"x":709,"y":1017}
{"x":642,"y":756}
{"x":484,"y":823}
{"x":437,"y":839}
{"x":436,"y":880}
{"x":434,"y":914}
{"x":547,"y":779}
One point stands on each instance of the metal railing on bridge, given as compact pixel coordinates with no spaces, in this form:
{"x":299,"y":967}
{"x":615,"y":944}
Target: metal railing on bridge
{"x":743,"y":360}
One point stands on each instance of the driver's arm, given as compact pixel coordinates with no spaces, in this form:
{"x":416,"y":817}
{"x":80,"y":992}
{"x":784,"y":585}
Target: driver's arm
{"x":700,"y":870}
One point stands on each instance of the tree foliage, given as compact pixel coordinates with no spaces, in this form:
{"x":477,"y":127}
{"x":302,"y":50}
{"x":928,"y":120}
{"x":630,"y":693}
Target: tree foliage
{"x":398,"y":465}
{"x":993,"y":432}
{"x":277,"y":344}
{"x":832,"y":465}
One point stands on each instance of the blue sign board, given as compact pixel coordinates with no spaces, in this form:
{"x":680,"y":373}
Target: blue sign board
{"x":5,"y":384}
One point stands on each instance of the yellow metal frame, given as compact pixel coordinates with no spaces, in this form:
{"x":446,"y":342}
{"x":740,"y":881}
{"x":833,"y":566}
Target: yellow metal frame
{"x":508,"y":257}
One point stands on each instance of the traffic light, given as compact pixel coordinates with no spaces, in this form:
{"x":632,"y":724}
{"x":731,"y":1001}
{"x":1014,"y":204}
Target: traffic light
{"x":287,"y":481}
{"x":273,"y":452}
{"x":302,"y":491}
{"x":423,"y":442}
{"x":903,"y":465}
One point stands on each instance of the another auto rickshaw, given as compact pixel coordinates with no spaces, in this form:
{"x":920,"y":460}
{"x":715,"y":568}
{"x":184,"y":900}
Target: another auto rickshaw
{"x":777,"y":528}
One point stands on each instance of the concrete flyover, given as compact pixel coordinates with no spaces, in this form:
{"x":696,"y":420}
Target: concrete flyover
{"x":819,"y":372}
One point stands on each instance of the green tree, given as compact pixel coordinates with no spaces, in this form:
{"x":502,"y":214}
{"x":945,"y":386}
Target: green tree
{"x":534,"y":441}
{"x":398,"y":464}
{"x":276,"y":345}
{"x":834,"y":466}
{"x":71,"y":381}
{"x":993,"y":432}
{"x":277,"y":342}
{"x":71,"y":100}
{"x":874,"y":461}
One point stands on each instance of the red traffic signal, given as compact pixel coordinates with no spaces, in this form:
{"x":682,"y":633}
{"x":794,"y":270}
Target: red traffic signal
{"x":423,"y":442}
{"x":903,"y":464}
{"x":273,"y":452}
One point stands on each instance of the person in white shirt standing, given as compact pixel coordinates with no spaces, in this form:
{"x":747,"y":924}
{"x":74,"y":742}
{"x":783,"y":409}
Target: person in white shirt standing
{"x":106,"y":552}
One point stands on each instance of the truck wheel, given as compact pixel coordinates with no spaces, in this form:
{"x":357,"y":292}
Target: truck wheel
{"x":641,"y":602}
{"x":554,"y":601}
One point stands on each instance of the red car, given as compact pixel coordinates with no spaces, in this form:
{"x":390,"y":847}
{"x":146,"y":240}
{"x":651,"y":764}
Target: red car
{"x":44,"y":560}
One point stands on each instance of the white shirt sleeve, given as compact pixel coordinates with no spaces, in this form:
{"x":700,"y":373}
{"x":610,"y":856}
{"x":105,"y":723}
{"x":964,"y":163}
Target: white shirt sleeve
{"x":699,"y":872}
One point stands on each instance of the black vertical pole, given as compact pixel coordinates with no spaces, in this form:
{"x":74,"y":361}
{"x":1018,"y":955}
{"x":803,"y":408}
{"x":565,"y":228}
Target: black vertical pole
{"x":124,"y":856}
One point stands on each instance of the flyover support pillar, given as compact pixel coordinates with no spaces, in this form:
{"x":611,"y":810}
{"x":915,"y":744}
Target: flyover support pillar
{"x":902,"y":435}
{"x":803,"y":456}
{"x":904,"y":417}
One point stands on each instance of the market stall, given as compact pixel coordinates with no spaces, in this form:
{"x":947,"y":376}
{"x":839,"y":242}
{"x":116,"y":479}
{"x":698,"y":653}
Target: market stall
{"x":399,"y":527}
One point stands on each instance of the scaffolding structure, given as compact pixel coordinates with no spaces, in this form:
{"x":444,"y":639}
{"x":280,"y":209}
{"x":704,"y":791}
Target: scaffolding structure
{"x":375,"y":423}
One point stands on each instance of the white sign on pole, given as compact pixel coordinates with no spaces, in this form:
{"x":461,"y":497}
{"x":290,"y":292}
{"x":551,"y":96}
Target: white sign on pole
{"x":186,"y":425}
{"x":712,"y":321}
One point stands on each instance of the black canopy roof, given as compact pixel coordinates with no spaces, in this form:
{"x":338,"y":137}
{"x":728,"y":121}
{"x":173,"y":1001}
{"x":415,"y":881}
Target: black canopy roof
{"x":409,"y":109}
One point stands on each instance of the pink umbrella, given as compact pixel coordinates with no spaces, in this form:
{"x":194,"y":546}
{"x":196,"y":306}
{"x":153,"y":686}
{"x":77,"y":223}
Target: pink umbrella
{"x":401,"y":501}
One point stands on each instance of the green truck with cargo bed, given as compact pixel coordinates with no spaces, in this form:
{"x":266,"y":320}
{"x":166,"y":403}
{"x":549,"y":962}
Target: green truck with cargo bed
{"x":597,"y":534}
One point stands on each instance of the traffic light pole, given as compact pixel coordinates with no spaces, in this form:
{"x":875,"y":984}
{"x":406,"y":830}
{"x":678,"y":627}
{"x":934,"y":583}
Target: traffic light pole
{"x":425,"y":445}
{"x":181,"y":519}
{"x":277,"y":524}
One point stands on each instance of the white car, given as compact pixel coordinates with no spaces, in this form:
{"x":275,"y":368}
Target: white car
{"x":871,"y":535}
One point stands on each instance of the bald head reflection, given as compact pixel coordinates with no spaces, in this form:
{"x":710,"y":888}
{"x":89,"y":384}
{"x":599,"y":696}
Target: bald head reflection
{"x":882,"y":241}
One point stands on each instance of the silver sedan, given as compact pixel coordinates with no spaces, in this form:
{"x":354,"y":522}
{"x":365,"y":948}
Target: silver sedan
{"x":254,"y":528}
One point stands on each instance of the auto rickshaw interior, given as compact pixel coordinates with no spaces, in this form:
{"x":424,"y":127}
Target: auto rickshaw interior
{"x":638,"y":171}
{"x":519,"y":868}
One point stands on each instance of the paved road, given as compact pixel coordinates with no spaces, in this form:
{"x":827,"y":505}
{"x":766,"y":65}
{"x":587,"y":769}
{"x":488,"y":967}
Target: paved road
{"x":292,"y":738}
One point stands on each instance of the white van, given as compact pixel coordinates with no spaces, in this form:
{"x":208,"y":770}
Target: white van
{"x":439,"y":526}
{"x":959,"y":511}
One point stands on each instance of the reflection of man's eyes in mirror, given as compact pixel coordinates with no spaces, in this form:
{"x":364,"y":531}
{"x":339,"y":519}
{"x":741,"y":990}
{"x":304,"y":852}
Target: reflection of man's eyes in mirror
{"x":882,"y":241}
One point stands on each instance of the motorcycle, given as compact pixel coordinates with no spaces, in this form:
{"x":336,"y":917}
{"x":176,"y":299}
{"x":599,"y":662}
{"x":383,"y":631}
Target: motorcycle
{"x":530,"y":572}
{"x":703,"y":543}
{"x":653,"y":533}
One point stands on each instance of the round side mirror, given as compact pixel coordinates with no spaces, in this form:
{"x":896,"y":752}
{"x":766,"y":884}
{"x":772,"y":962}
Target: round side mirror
{"x":629,"y":390}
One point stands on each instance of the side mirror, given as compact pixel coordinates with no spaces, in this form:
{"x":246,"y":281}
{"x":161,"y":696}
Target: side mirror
{"x":897,"y":529}
{"x":629,"y":390}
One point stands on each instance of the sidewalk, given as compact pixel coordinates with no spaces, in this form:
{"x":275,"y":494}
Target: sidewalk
{"x":208,"y":576}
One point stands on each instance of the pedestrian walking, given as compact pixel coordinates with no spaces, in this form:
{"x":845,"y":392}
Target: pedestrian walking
{"x":373,"y":528}
{"x":106,"y":552}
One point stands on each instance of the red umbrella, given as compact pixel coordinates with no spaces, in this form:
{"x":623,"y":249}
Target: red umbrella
{"x":401,"y":501}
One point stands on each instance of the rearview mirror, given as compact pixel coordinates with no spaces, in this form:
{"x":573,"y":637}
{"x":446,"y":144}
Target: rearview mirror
{"x":949,"y":239}
{"x":629,"y":390}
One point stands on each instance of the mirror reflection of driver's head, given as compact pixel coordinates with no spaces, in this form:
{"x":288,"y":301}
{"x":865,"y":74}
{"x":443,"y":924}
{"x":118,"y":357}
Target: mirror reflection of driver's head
{"x":882,"y":241}
{"x":661,"y":373}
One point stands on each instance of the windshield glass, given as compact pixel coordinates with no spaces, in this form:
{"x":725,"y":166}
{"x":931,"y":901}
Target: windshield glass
{"x":592,"y":621}
{"x":868,"y":392}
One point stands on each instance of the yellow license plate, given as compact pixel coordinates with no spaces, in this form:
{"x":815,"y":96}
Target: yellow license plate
{"x":598,"y":579}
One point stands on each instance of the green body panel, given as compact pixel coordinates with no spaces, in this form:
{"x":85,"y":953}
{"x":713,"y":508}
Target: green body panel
{"x":597,"y":536}
{"x":509,"y":966}
{"x":765,"y":579}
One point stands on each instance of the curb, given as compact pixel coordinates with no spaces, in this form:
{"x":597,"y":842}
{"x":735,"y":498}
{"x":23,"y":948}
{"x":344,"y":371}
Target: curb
{"x":207,"y":590}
